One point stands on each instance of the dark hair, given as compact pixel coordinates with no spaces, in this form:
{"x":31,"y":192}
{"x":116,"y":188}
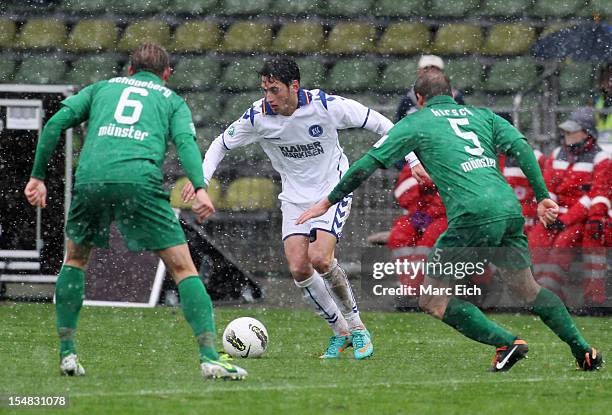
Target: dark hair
{"x":432,"y":82}
{"x":281,"y":68}
{"x":150,"y":57}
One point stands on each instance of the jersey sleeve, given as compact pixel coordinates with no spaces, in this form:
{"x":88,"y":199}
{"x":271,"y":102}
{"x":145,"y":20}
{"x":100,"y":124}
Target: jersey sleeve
{"x":63,"y":119}
{"x":352,"y":114}
{"x":393,"y":146}
{"x":504,"y":134}
{"x":241,"y":132}
{"x":183,"y":134}
{"x":348,"y":113}
{"x":80,"y":104}
{"x":181,"y":121}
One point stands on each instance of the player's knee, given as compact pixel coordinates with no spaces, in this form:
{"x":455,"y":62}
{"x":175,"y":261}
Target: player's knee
{"x":428,"y":304}
{"x":300,"y":271}
{"x":322,"y":263}
{"x":181,"y":270}
{"x":77,"y":256}
{"x":76,"y":263}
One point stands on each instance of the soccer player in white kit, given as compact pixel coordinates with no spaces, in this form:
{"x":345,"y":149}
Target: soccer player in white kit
{"x":298,"y":130}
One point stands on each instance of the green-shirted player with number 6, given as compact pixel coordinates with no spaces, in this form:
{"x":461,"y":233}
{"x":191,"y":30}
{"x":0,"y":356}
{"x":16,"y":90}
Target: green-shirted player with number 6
{"x":130,"y":120}
{"x":458,"y":145}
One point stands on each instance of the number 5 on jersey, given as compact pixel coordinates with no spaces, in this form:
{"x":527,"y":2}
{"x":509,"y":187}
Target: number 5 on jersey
{"x":466,"y":135}
{"x":125,"y":102}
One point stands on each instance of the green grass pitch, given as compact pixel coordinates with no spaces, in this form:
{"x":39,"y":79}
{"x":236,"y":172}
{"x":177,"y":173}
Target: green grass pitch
{"x":145,"y":361}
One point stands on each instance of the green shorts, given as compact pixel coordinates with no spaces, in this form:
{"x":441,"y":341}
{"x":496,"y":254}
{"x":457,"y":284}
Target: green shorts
{"x":501,"y":242}
{"x":142,"y":214}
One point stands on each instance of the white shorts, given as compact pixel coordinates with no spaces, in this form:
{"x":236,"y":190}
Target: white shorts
{"x":332,"y":221}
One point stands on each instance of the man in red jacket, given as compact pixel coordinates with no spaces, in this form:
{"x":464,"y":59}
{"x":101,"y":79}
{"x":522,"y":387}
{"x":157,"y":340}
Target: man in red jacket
{"x":424,"y":219}
{"x":578,"y":175}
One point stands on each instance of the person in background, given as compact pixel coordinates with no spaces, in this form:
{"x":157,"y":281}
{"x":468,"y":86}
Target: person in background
{"x":578,"y":175}
{"x":408,"y":102}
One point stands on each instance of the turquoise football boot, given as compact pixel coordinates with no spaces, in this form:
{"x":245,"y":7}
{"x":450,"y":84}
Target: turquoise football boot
{"x":337,"y":344}
{"x":362,"y":344}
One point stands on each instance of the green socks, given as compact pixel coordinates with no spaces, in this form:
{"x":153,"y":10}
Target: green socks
{"x":549,"y":307}
{"x":467,"y":319}
{"x":198,"y":311}
{"x":471,"y":322}
{"x":69,"y":292}
{"x":196,"y":303}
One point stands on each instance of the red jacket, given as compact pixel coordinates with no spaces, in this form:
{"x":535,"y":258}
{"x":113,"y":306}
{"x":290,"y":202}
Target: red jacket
{"x":580,"y":181}
{"x":414,"y":197}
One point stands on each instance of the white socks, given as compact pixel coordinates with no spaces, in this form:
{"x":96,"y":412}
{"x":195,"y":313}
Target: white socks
{"x":316,"y":293}
{"x":340,"y":288}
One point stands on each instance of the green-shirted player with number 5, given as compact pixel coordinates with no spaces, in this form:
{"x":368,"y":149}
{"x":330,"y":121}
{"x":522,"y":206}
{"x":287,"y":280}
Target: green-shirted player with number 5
{"x":130,"y":120}
{"x":458,"y":145}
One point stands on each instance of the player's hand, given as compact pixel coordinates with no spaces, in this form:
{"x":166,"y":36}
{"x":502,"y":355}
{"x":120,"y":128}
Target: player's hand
{"x":203,"y":206}
{"x":548,"y":211}
{"x":314,"y":211}
{"x":188,"y":193}
{"x":36,"y":192}
{"x":419,"y":173}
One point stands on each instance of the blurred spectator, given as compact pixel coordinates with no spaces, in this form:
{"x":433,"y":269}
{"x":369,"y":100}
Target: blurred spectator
{"x":415,"y":232}
{"x":407,"y":104}
{"x":578,"y":175}
{"x":604,"y":101}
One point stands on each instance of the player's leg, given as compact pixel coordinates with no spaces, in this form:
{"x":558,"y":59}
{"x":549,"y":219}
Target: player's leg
{"x":198,"y":310}
{"x":470,"y":321}
{"x":147,"y":222}
{"x":461,"y":315}
{"x":549,"y":307}
{"x":314,"y":291}
{"x":69,"y":293}
{"x":87,"y":226}
{"x":321,"y":256}
{"x":195,"y":301}
{"x":455,"y":245}
{"x":514,"y":262}
{"x":313,"y":288}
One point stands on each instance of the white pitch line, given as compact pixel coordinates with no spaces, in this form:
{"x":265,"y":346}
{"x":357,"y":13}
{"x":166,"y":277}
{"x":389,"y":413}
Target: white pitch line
{"x":245,"y":387}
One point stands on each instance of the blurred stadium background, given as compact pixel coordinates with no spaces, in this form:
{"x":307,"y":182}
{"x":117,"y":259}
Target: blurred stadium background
{"x":362,"y":49}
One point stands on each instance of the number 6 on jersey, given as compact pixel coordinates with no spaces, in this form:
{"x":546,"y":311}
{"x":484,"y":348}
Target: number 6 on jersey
{"x":126,"y":102}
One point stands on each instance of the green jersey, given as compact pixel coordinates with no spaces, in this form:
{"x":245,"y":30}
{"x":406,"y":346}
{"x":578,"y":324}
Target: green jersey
{"x":458,"y":145}
{"x":130,"y":120}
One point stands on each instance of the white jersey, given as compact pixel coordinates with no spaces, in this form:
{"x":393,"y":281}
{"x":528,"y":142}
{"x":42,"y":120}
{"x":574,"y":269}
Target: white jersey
{"x":303,"y":147}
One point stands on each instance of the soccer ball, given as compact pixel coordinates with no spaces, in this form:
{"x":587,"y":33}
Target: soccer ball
{"x":245,"y":337}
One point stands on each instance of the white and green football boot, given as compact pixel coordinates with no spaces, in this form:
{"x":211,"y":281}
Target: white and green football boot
{"x":362,"y":344}
{"x":221,"y":369}
{"x":337,"y":344}
{"x":70,"y":366}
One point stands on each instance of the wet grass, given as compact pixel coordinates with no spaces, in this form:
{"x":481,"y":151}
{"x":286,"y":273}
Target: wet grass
{"x":145,"y":361}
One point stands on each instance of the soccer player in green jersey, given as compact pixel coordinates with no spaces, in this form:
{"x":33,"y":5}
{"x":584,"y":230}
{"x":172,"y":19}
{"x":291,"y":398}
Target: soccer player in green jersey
{"x":458,"y":145}
{"x":130,"y":120}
